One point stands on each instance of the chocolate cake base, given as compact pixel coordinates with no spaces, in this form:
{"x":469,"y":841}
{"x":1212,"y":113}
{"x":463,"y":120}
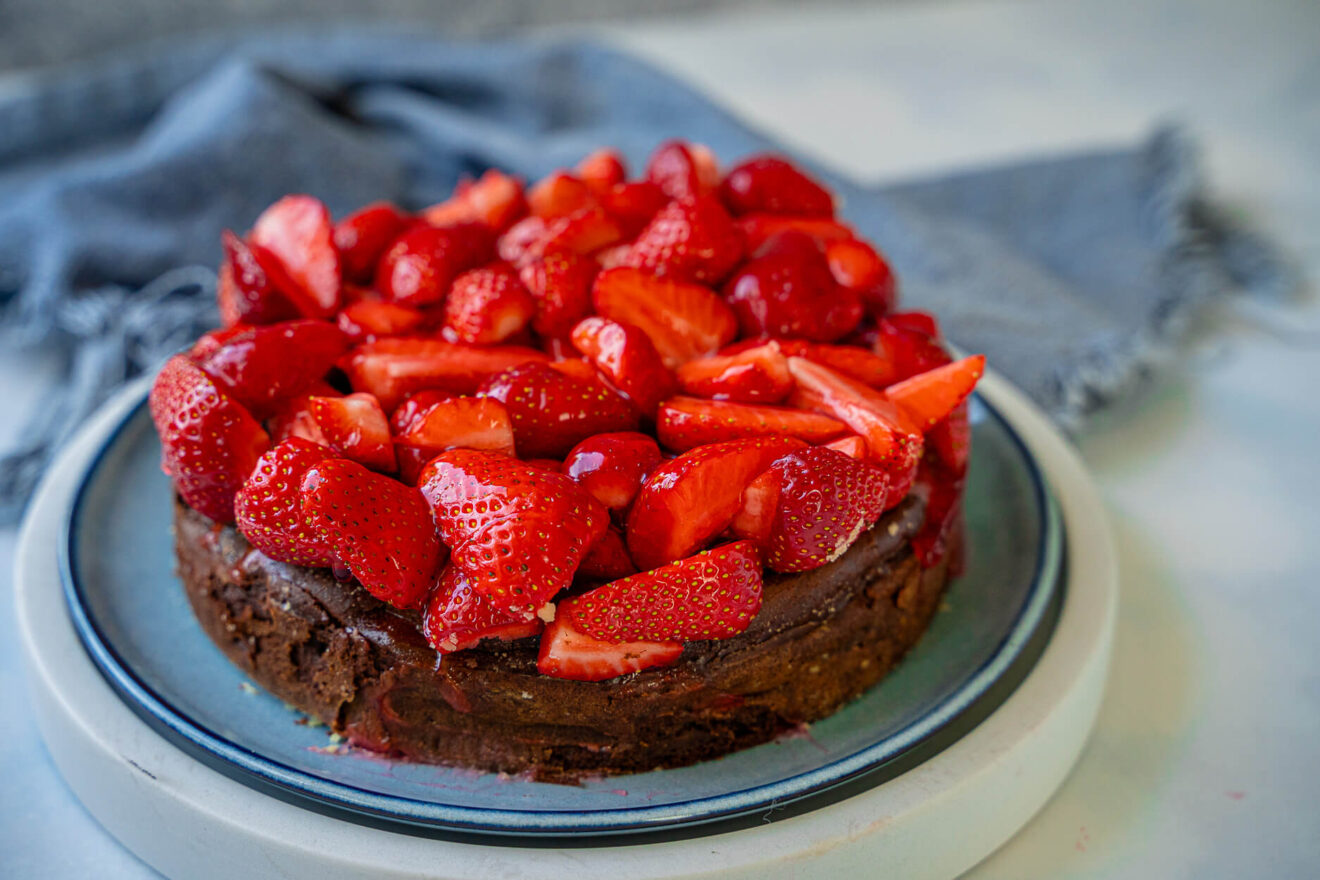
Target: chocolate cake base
{"x":360,"y":666}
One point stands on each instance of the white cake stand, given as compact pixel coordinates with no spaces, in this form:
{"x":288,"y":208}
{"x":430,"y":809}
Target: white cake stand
{"x":934,"y":821}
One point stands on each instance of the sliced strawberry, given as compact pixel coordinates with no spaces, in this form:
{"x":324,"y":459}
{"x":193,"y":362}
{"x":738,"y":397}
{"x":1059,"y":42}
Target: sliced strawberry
{"x":915,"y":321}
{"x":944,"y":518}
{"x":682,"y":169}
{"x":852,"y":446}
{"x":758,"y":229}
{"x":560,"y":285}
{"x":826,"y":501}
{"x":625,"y":355}
{"x":460,"y":422}
{"x":691,"y":499}
{"x":268,"y":508}
{"x":788,"y":291}
{"x":752,"y":375}
{"x":612,"y":467}
{"x":683,"y":320}
{"x":771,"y":185}
{"x":567,"y":653}
{"x":392,"y":369}
{"x":856,"y":363}
{"x":584,"y":231}
{"x":632,"y":205}
{"x":580,"y":369}
{"x":602,"y":169}
{"x":931,"y":396}
{"x":414,"y":406}
{"x":379,"y":528}
{"x":951,"y":440}
{"x":558,"y":195}
{"x":298,"y":231}
{"x":488,"y":305}
{"x":691,"y":239}
{"x":255,"y":367}
{"x":893,"y":439}
{"x":517,"y":531}
{"x":371,"y":319}
{"x":293,"y":418}
{"x":355,"y":427}
{"x":363,"y":236}
{"x":755,"y":519}
{"x":687,"y":422}
{"x":857,"y":266}
{"x":421,"y":264}
{"x":210,"y":443}
{"x":521,"y":241}
{"x":713,"y":595}
{"x":244,"y":290}
{"x":552,"y":412}
{"x":608,"y":558}
{"x":458,"y":616}
{"x":495,"y":199}
{"x":903,"y":340}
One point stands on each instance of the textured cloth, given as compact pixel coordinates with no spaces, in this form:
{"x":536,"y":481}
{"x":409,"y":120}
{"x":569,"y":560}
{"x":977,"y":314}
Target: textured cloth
{"x":1071,"y":274}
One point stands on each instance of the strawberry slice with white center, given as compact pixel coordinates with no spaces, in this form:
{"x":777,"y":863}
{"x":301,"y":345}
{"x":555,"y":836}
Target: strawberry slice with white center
{"x":299,"y":232}
{"x":931,"y":396}
{"x":355,"y":426}
{"x":684,"y":320}
{"x":687,"y":422}
{"x":458,"y":616}
{"x":691,"y":499}
{"x":568,"y":653}
{"x":893,"y":438}
{"x":713,"y":595}
{"x":268,"y":509}
{"x":392,"y":369}
{"x":460,"y":423}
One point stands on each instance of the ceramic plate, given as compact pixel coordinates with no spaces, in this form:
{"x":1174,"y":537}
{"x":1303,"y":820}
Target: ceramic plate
{"x":136,"y":624}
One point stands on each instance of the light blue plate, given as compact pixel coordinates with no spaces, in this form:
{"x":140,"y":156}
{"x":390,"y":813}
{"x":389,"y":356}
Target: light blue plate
{"x":133,"y":617}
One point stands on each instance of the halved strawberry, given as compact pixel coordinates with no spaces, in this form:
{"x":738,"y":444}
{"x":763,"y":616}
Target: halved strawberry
{"x":244,"y":290}
{"x":602,"y":169}
{"x":363,"y":236}
{"x":268,"y":508}
{"x":713,"y":595}
{"x":521,"y":241}
{"x":608,"y":558}
{"x":752,"y":375}
{"x":552,"y":412}
{"x":517,"y":531}
{"x":686,"y":422}
{"x":584,"y":231}
{"x":931,"y":396}
{"x":755,"y":519}
{"x":298,"y":231}
{"x":460,"y":422}
{"x":691,"y":499}
{"x":560,"y":285}
{"x":632,"y":205}
{"x":772,"y":185}
{"x":458,"y":617}
{"x":378,"y":527}
{"x":392,"y":369}
{"x":950,"y":441}
{"x":625,"y":355}
{"x":567,"y":653}
{"x":488,"y":305}
{"x":421,"y":264}
{"x":857,"y":265}
{"x":371,"y":319}
{"x":293,"y":417}
{"x":683,"y":169}
{"x":893,"y":439}
{"x":612,"y":467}
{"x":693,"y":239}
{"x":788,"y":291}
{"x":758,"y":229}
{"x":255,"y":367}
{"x":495,"y":199}
{"x":852,"y":446}
{"x":683,"y":320}
{"x":558,"y":195}
{"x":209,"y":442}
{"x":857,"y":363}
{"x":910,"y":342}
{"x":355,"y":427}
{"x":944,"y":518}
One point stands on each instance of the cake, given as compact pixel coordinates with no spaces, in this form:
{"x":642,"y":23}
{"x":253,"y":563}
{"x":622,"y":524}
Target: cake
{"x":597,"y":476}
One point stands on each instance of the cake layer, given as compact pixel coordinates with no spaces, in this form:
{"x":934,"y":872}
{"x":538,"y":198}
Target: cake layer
{"x":362,"y":667}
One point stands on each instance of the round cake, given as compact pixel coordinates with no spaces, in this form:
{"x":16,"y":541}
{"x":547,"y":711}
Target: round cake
{"x":598,"y":476}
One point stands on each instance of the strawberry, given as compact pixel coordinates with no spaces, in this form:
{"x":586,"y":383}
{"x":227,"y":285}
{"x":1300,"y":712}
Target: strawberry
{"x":750,"y":375}
{"x":788,"y":291}
{"x":268,"y":508}
{"x":893,"y":439}
{"x":244,"y":289}
{"x":371,"y":319}
{"x":392,"y":369}
{"x":379,"y":528}
{"x":931,"y":396}
{"x":560,"y":285}
{"x":755,"y":519}
{"x":713,"y":595}
{"x":632,"y":205}
{"x":691,"y":239}
{"x":857,"y":266}
{"x":459,"y":422}
{"x":567,"y":653}
{"x":488,"y":305}
{"x":363,"y":236}
{"x":683,"y":320}
{"x":758,"y":229}
{"x":421,"y":264}
{"x":521,"y":242}
{"x":627,"y":358}
{"x":254,"y":366}
{"x":602,"y":169}
{"x":904,"y":341}
{"x":608,"y":558}
{"x":457,"y":617}
{"x":495,"y":199}
{"x":687,"y":422}
{"x":950,"y":441}
{"x":922,"y":323}
{"x":558,"y":195}
{"x":683,"y":170}
{"x":518,"y":532}
{"x":944,"y":518}
{"x":771,"y":185}
{"x":689,"y":500}
{"x":580,"y":369}
{"x":852,"y":446}
{"x":355,"y":427}
{"x":552,"y":412}
{"x":612,"y":467}
{"x":584,"y":231}
{"x":826,"y":500}
{"x":298,"y":232}
{"x":293,"y":418}
{"x":856,"y":363}
{"x":209,"y":442}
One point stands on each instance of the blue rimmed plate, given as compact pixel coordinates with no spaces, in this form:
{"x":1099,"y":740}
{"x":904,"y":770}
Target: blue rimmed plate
{"x":133,"y":618}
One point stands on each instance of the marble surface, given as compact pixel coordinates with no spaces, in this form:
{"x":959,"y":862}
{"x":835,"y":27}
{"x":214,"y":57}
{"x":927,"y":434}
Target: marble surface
{"x":1203,"y":764}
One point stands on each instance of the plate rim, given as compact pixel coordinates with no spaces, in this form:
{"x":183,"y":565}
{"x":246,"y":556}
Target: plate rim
{"x":407,"y":814}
